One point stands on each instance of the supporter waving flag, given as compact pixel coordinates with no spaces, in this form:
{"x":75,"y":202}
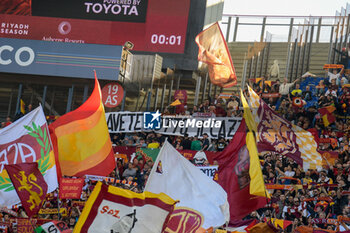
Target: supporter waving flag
{"x":279,"y":135}
{"x":81,"y":140}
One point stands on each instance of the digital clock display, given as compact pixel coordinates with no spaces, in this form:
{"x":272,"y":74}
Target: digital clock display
{"x":151,"y":25}
{"x":167,"y":40}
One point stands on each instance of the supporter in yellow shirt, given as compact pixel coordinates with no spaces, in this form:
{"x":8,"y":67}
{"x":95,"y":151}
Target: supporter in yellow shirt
{"x":154,"y":144}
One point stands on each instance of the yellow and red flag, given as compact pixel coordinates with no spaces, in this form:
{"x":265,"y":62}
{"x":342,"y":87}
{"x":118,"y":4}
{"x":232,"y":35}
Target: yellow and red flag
{"x":327,"y":115}
{"x":214,"y":52}
{"x":29,"y":184}
{"x":281,"y":223}
{"x":257,"y":185}
{"x":175,"y":103}
{"x":82,"y":144}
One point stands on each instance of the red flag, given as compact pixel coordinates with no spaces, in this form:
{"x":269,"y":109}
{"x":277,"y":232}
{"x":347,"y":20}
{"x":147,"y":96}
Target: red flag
{"x":233,"y":176}
{"x":213,"y":51}
{"x":29,"y":184}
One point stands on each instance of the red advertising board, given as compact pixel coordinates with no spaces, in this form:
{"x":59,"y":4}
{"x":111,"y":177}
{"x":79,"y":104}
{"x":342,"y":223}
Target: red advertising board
{"x":112,"y":94}
{"x":71,"y":188}
{"x":154,"y":25}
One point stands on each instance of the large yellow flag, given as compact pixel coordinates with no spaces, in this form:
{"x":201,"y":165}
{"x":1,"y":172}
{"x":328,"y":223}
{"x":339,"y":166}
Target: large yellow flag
{"x":257,"y":185}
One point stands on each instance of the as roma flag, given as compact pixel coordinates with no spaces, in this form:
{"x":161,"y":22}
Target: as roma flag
{"x":29,"y":184}
{"x":112,"y":209}
{"x":214,"y":52}
{"x":81,"y":140}
{"x":233,"y":176}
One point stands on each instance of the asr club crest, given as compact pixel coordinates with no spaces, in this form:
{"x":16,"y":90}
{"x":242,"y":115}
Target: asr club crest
{"x":29,"y":184}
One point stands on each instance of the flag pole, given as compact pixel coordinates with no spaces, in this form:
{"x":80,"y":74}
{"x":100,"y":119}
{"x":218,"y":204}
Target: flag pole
{"x":58,"y":204}
{"x":58,"y":178}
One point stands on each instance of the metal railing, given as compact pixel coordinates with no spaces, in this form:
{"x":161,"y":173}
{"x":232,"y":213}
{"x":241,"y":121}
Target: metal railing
{"x":283,"y":28}
{"x":299,"y":32}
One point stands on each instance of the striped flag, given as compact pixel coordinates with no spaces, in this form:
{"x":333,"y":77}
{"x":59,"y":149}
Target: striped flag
{"x":81,"y":140}
{"x":279,"y":135}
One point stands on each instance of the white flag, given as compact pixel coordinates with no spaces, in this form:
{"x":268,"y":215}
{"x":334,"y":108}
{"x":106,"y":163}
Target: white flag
{"x":24,"y":141}
{"x":175,"y":176}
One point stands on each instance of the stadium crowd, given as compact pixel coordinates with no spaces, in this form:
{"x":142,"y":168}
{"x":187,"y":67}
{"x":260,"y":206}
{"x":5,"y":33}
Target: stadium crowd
{"x":315,"y":198}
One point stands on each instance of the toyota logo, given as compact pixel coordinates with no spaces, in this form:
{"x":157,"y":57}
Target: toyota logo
{"x":64,"y":27}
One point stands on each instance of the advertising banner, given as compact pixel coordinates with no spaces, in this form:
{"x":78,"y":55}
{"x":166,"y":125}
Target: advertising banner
{"x":153,"y":26}
{"x":59,"y":59}
{"x":130,"y":122}
{"x":209,"y":170}
{"x":110,"y":10}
